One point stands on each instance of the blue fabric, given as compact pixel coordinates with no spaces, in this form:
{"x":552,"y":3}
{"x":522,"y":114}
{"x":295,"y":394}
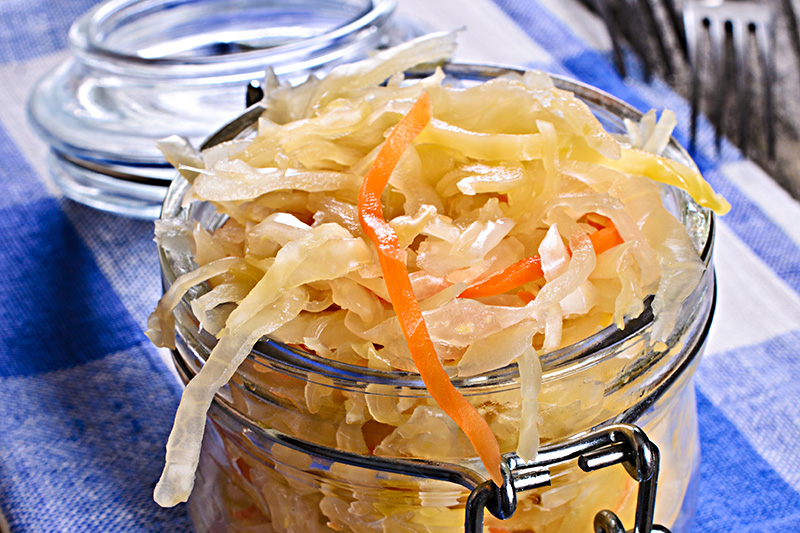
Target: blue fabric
{"x":70,"y":315}
{"x":81,"y":450}
{"x":86,"y":402}
{"x":15,"y":173}
{"x":739,"y":490}
{"x":36,"y":27}
{"x":760,"y":233}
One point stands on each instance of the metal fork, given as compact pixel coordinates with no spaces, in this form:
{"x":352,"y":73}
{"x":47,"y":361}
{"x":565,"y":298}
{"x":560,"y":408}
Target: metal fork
{"x":730,"y":27}
{"x":644,"y":25}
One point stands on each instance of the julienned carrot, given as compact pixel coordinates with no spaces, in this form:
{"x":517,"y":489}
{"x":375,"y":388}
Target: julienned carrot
{"x":605,"y":239}
{"x":530,"y":268}
{"x":512,"y":277}
{"x":392,"y":260}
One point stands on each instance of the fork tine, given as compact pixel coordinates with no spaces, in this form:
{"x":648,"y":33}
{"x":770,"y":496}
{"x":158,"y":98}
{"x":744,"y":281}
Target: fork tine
{"x":691,"y":30}
{"x":794,"y":28}
{"x":765,"y":41}
{"x":740,"y":33}
{"x":649,"y":13}
{"x":716,"y":32}
{"x":602,"y":7}
{"x":741,"y":18}
{"x":678,"y":25}
{"x":635,"y":23}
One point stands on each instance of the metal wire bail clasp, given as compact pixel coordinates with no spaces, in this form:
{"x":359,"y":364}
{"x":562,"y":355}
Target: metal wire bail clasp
{"x":623,"y":444}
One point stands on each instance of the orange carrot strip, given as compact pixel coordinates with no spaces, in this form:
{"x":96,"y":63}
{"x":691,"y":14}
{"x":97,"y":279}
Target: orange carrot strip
{"x":519,"y":273}
{"x":392,"y":260}
{"x":605,"y":239}
{"x":530,"y":268}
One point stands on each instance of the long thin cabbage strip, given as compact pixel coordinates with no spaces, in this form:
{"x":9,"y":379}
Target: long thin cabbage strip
{"x":161,"y":323}
{"x":183,"y":446}
{"x":662,"y":170}
{"x":392,"y":260}
{"x":530,"y":376}
{"x":530,"y":268}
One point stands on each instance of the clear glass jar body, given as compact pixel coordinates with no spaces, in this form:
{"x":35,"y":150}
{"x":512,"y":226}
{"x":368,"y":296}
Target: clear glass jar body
{"x":247,"y":481}
{"x":142,"y":70}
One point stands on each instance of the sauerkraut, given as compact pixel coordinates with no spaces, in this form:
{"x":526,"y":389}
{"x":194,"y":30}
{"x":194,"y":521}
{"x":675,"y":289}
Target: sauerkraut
{"x":506,"y":171}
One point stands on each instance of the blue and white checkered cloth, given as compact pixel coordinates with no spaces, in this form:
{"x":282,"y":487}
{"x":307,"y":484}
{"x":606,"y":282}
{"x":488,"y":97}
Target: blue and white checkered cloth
{"x":86,"y":402}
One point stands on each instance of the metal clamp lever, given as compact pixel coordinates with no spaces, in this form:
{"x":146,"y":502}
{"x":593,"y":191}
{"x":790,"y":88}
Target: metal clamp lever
{"x":620,"y":443}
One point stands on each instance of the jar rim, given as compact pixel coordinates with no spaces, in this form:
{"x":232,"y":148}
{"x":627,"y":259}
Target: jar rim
{"x":286,"y":359}
{"x":89,"y":34}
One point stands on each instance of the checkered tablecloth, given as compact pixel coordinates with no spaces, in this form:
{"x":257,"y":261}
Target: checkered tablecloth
{"x":86,"y":402}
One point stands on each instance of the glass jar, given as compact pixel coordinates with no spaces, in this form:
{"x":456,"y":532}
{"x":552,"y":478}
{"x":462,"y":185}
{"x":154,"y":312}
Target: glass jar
{"x":142,"y":70}
{"x":253,"y":475}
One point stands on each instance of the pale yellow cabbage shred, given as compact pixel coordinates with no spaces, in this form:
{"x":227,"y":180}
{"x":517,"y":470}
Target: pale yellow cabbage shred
{"x":505,"y":170}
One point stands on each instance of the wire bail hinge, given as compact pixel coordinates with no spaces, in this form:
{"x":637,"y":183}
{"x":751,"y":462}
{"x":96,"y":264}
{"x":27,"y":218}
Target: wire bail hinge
{"x":623,"y":444}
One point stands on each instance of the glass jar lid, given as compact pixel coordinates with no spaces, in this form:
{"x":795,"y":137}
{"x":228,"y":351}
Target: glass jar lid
{"x":142,"y":70}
